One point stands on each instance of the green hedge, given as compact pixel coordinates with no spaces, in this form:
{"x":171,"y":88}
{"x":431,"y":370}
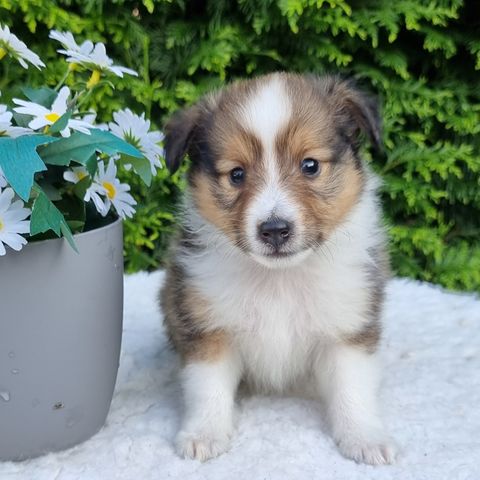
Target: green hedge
{"x":421,"y":57}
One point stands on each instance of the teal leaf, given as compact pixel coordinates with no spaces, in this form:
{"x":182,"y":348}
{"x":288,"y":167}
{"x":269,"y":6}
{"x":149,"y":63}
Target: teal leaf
{"x":46,"y":216}
{"x":92,"y":165}
{"x":21,"y":119}
{"x":20,"y":161}
{"x":51,"y":192}
{"x":67,"y":233}
{"x":61,"y":123}
{"x":43,"y":96}
{"x":141,"y":166}
{"x":80,"y":147}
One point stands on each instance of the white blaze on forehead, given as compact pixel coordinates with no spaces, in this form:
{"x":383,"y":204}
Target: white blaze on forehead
{"x":267,"y":112}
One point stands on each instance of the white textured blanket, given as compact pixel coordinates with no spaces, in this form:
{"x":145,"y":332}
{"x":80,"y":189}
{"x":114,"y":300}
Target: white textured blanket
{"x":430,"y":393}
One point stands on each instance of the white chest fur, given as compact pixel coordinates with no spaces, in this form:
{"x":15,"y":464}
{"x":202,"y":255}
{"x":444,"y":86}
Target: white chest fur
{"x":280,"y":317}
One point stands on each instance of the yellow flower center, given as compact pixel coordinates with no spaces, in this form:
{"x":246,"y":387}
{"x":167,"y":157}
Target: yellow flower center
{"x":3,"y":52}
{"x":52,"y":117}
{"x":1,"y":225}
{"x":110,"y":190}
{"x":94,"y":79}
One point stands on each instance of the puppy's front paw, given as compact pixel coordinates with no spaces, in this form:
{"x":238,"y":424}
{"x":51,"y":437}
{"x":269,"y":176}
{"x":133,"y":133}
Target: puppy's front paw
{"x":374,"y":451}
{"x":200,"y":446}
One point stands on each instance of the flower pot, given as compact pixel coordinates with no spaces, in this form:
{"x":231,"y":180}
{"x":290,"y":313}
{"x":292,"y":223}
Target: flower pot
{"x":60,"y":335}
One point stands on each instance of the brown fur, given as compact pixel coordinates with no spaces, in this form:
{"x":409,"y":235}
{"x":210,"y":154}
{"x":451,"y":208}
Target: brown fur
{"x":186,"y":313}
{"x":326,"y":199}
{"x":376,"y":276}
{"x":327,"y":116}
{"x":369,"y":337}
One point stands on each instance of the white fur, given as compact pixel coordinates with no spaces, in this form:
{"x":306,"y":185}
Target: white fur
{"x":209,"y":393}
{"x":283,"y":320}
{"x":290,"y":309}
{"x":268,"y":112}
{"x":286,"y":324}
{"x":348,"y":380}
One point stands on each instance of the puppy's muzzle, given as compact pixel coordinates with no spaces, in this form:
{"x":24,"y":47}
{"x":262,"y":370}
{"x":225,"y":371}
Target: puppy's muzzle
{"x":275,"y":232}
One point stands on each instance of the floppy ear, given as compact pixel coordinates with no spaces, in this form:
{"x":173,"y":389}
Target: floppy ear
{"x":364,"y":111}
{"x":178,"y":134}
{"x":357,"y":111}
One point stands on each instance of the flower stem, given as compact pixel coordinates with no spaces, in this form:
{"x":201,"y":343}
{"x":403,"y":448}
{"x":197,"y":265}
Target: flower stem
{"x":62,"y":80}
{"x":83,"y":97}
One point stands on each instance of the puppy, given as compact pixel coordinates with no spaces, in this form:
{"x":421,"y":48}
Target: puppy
{"x":278,"y":271}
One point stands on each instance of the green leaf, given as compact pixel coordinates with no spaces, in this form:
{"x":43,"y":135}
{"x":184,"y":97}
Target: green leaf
{"x":21,"y":119}
{"x":73,"y":209}
{"x":81,"y":187}
{"x":20,"y":161}
{"x":61,"y":123}
{"x":76,"y":225}
{"x":80,"y":147}
{"x":141,"y":166}
{"x":92,"y":165}
{"x":149,"y":5}
{"x":50,"y":191}
{"x":46,"y":216}
{"x":43,"y":96}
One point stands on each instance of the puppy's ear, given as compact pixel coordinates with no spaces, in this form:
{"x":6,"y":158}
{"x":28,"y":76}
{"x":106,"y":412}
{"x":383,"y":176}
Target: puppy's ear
{"x":178,"y":134}
{"x":358,"y":111}
{"x":365,"y":112}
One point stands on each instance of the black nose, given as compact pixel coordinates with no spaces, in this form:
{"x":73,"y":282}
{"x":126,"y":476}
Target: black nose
{"x":274,"y":232}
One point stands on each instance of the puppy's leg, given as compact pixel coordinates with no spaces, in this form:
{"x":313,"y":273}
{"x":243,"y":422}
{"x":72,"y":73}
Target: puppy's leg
{"x":349,"y":381}
{"x":209,"y":387}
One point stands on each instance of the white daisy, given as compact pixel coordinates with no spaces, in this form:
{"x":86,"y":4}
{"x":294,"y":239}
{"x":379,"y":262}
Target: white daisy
{"x":96,"y":194}
{"x":6,"y":128}
{"x":48,"y":116}
{"x":75,"y":174}
{"x":97,"y":60}
{"x":68,"y":41}
{"x":90,"y":118}
{"x":134,"y":129}
{"x":12,"y":221}
{"x":116,"y":193}
{"x":13,"y":46}
{"x":93,"y":192}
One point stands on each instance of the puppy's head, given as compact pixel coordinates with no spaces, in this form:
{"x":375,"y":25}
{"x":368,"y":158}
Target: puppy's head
{"x":274,"y":160}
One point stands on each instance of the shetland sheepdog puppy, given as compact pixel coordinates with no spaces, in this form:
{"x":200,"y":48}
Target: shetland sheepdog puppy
{"x":276,"y":277}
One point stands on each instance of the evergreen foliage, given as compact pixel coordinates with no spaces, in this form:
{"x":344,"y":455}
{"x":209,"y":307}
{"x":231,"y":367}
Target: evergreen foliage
{"x":422,"y":58}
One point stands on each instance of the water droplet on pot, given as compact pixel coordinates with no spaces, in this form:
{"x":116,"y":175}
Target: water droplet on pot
{"x":15,"y":371}
{"x":11,"y":354}
{"x":5,"y":396}
{"x":74,"y":416}
{"x":70,"y":422}
{"x":58,"y":406}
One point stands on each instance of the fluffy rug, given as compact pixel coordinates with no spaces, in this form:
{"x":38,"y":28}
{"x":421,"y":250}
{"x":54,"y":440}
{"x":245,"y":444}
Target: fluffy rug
{"x":430,"y":393}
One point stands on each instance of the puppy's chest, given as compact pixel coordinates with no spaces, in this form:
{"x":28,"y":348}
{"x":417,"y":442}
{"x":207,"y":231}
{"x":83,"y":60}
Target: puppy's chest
{"x":278,"y":319}
{"x":276,"y":325}
{"x":277,"y":346}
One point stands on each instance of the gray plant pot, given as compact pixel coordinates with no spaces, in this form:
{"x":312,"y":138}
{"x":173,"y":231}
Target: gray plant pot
{"x":60,"y":335}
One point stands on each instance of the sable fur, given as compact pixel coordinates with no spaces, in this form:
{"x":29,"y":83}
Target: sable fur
{"x":306,"y":313}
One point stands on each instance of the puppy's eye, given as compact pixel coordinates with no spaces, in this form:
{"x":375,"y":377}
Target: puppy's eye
{"x":310,"y":167}
{"x":237,"y":176}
